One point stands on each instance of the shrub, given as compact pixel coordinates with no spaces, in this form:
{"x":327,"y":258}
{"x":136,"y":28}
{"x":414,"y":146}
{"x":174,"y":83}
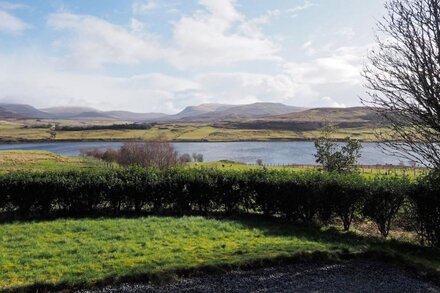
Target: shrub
{"x":385,"y":197}
{"x":425,"y":200}
{"x":185,"y":158}
{"x":160,"y":154}
{"x":342,"y":196}
{"x":335,"y":157}
{"x":197,"y":157}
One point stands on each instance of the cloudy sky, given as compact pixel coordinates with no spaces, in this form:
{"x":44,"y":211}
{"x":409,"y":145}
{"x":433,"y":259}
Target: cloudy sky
{"x":160,"y":56}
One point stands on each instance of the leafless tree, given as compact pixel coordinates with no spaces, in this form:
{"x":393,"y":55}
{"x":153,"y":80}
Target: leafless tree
{"x":403,"y":79}
{"x":160,"y":154}
{"x":197,"y":157}
{"x":185,"y":158}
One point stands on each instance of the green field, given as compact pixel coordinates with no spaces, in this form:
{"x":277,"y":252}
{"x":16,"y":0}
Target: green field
{"x":46,"y":161}
{"x":43,"y":161}
{"x":86,"y":252}
{"x":16,"y":131}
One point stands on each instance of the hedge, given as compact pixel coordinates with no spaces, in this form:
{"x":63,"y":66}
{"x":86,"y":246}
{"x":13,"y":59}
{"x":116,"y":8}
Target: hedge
{"x":308,"y":197}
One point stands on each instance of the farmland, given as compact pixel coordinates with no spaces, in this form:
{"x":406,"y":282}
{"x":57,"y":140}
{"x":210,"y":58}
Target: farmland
{"x":46,"y":161}
{"x":20,"y":131}
{"x":11,"y":161}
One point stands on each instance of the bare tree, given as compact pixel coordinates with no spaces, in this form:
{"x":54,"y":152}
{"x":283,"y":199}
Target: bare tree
{"x":160,"y":154}
{"x":403,"y":79}
{"x":197,"y":157}
{"x":185,"y":158}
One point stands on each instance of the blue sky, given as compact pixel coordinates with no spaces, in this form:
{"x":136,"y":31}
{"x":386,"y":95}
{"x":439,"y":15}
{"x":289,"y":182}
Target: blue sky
{"x":160,"y":56}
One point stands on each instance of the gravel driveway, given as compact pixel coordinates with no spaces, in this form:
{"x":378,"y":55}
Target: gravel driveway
{"x":352,"y":276}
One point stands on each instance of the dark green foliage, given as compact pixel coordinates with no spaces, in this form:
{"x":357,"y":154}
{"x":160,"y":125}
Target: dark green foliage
{"x":425,"y":200}
{"x":385,"y":196}
{"x":343,"y":196}
{"x":307,"y":197}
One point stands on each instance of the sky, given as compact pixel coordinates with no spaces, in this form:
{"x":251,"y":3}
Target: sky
{"x":161,"y":56}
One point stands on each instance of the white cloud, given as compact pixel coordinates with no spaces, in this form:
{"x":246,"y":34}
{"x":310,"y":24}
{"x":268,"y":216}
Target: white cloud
{"x":217,"y":35}
{"x":38,"y":81}
{"x":329,"y":102}
{"x":4,"y":5}
{"x":243,"y":87}
{"x":143,"y":7}
{"x":222,"y":54}
{"x":11,"y":24}
{"x":347,"y":32}
{"x":94,"y":42}
{"x":220,"y":35}
{"x":305,"y":5}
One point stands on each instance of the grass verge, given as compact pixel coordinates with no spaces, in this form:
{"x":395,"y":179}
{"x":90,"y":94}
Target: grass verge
{"x":90,"y":252}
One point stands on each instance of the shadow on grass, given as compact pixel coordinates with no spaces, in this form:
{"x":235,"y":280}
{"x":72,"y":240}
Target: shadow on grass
{"x":345,"y":246}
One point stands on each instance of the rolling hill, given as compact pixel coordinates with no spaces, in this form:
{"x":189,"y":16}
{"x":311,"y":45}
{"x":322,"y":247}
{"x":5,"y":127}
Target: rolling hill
{"x":313,"y":119}
{"x":221,"y":112}
{"x":273,"y":116}
{"x":24,"y":111}
{"x":84,"y":113}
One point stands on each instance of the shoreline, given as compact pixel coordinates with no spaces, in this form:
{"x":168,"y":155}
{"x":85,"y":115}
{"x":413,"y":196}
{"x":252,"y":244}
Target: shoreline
{"x":36,"y":141}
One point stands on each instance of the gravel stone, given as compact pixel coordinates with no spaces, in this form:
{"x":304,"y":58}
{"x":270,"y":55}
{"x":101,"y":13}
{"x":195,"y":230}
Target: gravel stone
{"x":351,"y":276}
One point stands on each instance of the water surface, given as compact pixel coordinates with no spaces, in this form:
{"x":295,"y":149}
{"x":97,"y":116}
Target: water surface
{"x":278,"y":153}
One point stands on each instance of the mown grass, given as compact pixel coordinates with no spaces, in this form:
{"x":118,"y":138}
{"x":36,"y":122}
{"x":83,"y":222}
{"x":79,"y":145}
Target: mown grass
{"x":11,"y":161}
{"x":86,"y":252}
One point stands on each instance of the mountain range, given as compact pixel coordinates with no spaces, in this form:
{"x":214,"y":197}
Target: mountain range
{"x":251,"y":116}
{"x":200,"y":113}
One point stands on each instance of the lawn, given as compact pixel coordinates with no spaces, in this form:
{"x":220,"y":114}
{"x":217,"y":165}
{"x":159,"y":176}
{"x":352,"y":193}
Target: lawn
{"x":90,"y":251}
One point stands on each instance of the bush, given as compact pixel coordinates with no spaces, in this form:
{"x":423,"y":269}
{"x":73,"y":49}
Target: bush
{"x":425,"y":200}
{"x":385,"y":196}
{"x":343,"y":196}
{"x":160,"y":154}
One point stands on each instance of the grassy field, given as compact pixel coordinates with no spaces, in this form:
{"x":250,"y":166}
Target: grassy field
{"x":86,"y":252}
{"x":369,"y":171}
{"x":46,"y":161}
{"x":16,"y":131}
{"x":43,"y":161}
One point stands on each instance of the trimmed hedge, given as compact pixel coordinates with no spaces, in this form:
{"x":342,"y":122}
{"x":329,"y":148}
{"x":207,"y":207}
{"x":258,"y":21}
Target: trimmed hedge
{"x":308,"y":197}
{"x":425,"y":207}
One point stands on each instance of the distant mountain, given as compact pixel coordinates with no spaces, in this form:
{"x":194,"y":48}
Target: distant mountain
{"x":84,"y":113}
{"x":219,"y":112}
{"x":66,"y":112}
{"x":313,"y":119}
{"x":5,"y":114}
{"x":200,"y":113}
{"x":131,"y":116}
{"x":331,"y":114}
{"x":24,"y":111}
{"x":194,"y":111}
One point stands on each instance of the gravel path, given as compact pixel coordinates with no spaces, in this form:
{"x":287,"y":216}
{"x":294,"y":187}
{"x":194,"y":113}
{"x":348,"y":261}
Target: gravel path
{"x":353,"y":276}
